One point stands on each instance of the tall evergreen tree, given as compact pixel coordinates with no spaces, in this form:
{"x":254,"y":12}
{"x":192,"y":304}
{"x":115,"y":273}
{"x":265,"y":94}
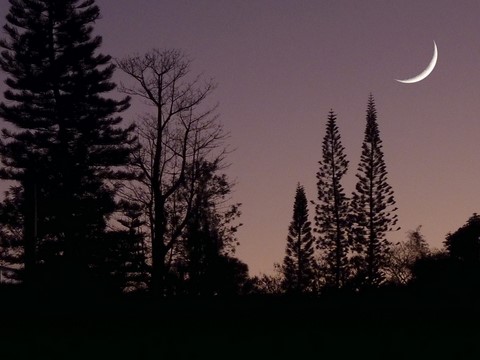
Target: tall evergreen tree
{"x":299,"y":264}
{"x":372,"y":207}
{"x":331,"y":210}
{"x":62,"y":140}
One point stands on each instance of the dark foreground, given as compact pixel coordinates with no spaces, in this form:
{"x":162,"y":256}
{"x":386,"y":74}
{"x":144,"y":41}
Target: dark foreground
{"x":380,"y":325}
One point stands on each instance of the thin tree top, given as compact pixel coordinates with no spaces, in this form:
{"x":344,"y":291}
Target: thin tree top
{"x":372,"y":133}
{"x":300,"y":207}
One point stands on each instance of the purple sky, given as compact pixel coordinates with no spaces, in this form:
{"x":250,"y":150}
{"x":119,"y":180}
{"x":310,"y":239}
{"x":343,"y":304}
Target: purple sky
{"x":281,"y":65}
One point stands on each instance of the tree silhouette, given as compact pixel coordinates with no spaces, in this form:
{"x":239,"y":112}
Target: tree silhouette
{"x":456,"y":269}
{"x":372,"y":206}
{"x":404,"y":255}
{"x":464,"y":244}
{"x":182,"y":131}
{"x":207,"y":245}
{"x":298,"y":263}
{"x":267,"y":284}
{"x":11,"y":234}
{"x":127,"y":256}
{"x":331,"y":210}
{"x":63,"y":140}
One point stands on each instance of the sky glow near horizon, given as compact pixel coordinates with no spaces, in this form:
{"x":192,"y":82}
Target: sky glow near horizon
{"x":281,"y":65}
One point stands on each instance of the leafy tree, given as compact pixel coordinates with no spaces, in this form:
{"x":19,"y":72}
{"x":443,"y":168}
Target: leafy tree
{"x":455,"y":271}
{"x":182,"y":133}
{"x":264,"y":284}
{"x":208,"y":243}
{"x":298,"y":264}
{"x":464,"y":244}
{"x":331,"y":210}
{"x":372,"y":207}
{"x":230,"y":276}
{"x":436,"y":271}
{"x":63,"y":139}
{"x":404,"y":256}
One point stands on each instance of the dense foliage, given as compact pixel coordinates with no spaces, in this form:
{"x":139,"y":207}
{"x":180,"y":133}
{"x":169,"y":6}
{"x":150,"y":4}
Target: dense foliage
{"x":63,"y":139}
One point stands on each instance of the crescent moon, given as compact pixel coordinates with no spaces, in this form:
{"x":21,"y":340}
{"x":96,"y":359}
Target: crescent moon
{"x":425,"y":72}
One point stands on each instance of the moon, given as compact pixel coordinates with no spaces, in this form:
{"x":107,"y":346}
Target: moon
{"x":425,"y":72}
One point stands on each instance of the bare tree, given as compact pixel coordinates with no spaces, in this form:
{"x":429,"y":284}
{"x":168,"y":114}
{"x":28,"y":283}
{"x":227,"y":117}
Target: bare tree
{"x":180,"y":131}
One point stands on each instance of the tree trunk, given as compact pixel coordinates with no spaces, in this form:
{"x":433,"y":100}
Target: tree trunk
{"x":159,"y":249}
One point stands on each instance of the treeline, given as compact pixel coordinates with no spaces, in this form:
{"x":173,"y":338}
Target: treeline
{"x":96,"y":206}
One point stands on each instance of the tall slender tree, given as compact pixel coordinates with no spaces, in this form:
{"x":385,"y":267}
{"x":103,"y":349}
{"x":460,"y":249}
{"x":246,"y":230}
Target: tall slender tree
{"x":62,"y":140}
{"x":298,"y":264}
{"x":373,"y":207}
{"x":331,"y":210}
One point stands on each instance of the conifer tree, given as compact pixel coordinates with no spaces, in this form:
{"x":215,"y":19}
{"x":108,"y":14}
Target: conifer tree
{"x":62,"y":140}
{"x":122,"y":254}
{"x":299,"y":264}
{"x":373,"y":207}
{"x":331,"y":210}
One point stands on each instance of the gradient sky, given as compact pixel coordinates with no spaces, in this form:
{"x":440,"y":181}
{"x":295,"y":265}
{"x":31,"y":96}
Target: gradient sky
{"x":282,"y":64}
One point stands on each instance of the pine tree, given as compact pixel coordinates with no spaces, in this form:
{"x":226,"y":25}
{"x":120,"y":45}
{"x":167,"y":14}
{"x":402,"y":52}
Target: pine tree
{"x":62,"y":141}
{"x":372,"y":207}
{"x":331,"y":211}
{"x":299,"y":264}
{"x":124,"y":256}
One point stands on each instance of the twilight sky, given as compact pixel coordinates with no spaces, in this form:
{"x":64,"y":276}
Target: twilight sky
{"x":282,"y":64}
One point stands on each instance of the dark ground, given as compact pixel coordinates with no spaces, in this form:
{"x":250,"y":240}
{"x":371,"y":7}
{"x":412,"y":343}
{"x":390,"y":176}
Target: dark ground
{"x":389,"y":324}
